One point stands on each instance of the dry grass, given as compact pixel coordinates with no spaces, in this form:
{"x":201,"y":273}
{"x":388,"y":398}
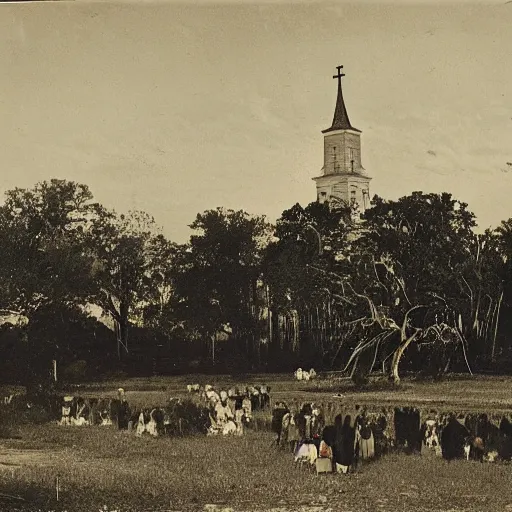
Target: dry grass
{"x":103,"y":466}
{"x":99,"y":465}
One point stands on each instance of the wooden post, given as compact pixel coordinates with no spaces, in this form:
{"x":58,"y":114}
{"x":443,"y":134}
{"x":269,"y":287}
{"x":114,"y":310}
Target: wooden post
{"x":57,"y":487}
{"x":54,"y":362}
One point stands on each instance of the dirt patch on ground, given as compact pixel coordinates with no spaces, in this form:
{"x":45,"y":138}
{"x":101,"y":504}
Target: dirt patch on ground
{"x":17,"y":457}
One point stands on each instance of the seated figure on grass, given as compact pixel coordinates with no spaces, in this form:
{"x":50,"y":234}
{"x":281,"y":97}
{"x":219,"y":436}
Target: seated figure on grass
{"x":104,"y":412}
{"x":67,"y":402}
{"x":324,"y":461}
{"x":148,"y":422}
{"x":222,"y":418}
{"x":81,"y":416}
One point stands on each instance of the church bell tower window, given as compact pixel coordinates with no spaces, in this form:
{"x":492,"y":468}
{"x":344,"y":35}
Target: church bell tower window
{"x":352,"y":158}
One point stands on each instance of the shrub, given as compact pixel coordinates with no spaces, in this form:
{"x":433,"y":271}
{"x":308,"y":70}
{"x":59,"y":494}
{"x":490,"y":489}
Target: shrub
{"x":75,"y":372}
{"x":187,"y":417}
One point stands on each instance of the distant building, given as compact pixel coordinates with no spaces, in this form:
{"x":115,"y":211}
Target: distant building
{"x":343,"y":179}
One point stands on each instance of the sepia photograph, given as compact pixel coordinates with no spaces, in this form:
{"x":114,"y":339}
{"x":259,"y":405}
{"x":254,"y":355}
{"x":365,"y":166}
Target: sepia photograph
{"x":256,"y":256}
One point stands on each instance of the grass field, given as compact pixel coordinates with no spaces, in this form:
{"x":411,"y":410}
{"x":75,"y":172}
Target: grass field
{"x":100,"y":466}
{"x":457,"y":391}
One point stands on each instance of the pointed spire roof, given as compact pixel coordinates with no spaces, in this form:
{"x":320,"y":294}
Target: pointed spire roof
{"x":340,"y":120}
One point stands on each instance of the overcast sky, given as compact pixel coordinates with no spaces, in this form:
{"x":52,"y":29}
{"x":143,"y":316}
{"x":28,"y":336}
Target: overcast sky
{"x":175,"y":109}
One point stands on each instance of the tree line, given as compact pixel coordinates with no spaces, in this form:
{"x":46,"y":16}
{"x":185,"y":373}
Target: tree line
{"x":410,"y":286}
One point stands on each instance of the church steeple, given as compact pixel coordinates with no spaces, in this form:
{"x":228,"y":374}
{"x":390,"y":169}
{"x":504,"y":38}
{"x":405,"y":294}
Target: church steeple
{"x":343,"y":177}
{"x":340,"y":120}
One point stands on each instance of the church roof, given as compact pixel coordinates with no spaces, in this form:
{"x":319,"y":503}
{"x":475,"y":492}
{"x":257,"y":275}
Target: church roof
{"x":340,"y":120}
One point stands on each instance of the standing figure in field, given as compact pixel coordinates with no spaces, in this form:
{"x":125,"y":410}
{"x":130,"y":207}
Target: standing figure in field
{"x":328,"y":439}
{"x":364,"y":439}
{"x":264,"y":396}
{"x":247,"y":407}
{"x":94,"y":416}
{"x":255,"y":398}
{"x":240,"y":422}
{"x":307,"y":447}
{"x":344,"y":444}
{"x":293,"y":431}
{"x":285,"y":426}
{"x":123,"y":411}
{"x":431,"y":442}
{"x":304,"y":422}
{"x":317,"y":425}
{"x":453,"y":439}
{"x":232,"y":401}
{"x":280,"y":410}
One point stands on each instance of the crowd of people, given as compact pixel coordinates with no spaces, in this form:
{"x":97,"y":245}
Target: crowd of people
{"x":80,"y":411}
{"x":230,"y":410}
{"x":361,"y":435}
{"x":335,"y":447}
{"x":352,"y":434}
{"x":209,"y":411}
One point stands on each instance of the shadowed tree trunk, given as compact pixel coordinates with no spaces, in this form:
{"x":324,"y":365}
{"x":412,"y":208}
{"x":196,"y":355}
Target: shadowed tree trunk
{"x":397,"y":356}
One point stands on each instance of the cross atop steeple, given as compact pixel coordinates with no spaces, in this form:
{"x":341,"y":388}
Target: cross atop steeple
{"x":340,"y":120}
{"x":340,"y":74}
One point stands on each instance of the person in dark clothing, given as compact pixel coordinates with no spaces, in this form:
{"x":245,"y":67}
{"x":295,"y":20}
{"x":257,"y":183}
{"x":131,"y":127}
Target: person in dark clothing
{"x":301,"y":426}
{"x":317,"y":424}
{"x":278,"y":413}
{"x":453,"y":438}
{"x":344,"y":444}
{"x":506,"y":427}
{"x":505,"y":439}
{"x":123,"y":415}
{"x":407,"y":428}
{"x":329,"y":435}
{"x":123,"y":410}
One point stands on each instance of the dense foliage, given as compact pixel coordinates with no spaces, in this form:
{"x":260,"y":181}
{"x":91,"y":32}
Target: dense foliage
{"x":412,"y":286}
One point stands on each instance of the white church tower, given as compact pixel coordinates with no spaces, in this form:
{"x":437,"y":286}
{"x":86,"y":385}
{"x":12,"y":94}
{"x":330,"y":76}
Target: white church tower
{"x":343,"y":178}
